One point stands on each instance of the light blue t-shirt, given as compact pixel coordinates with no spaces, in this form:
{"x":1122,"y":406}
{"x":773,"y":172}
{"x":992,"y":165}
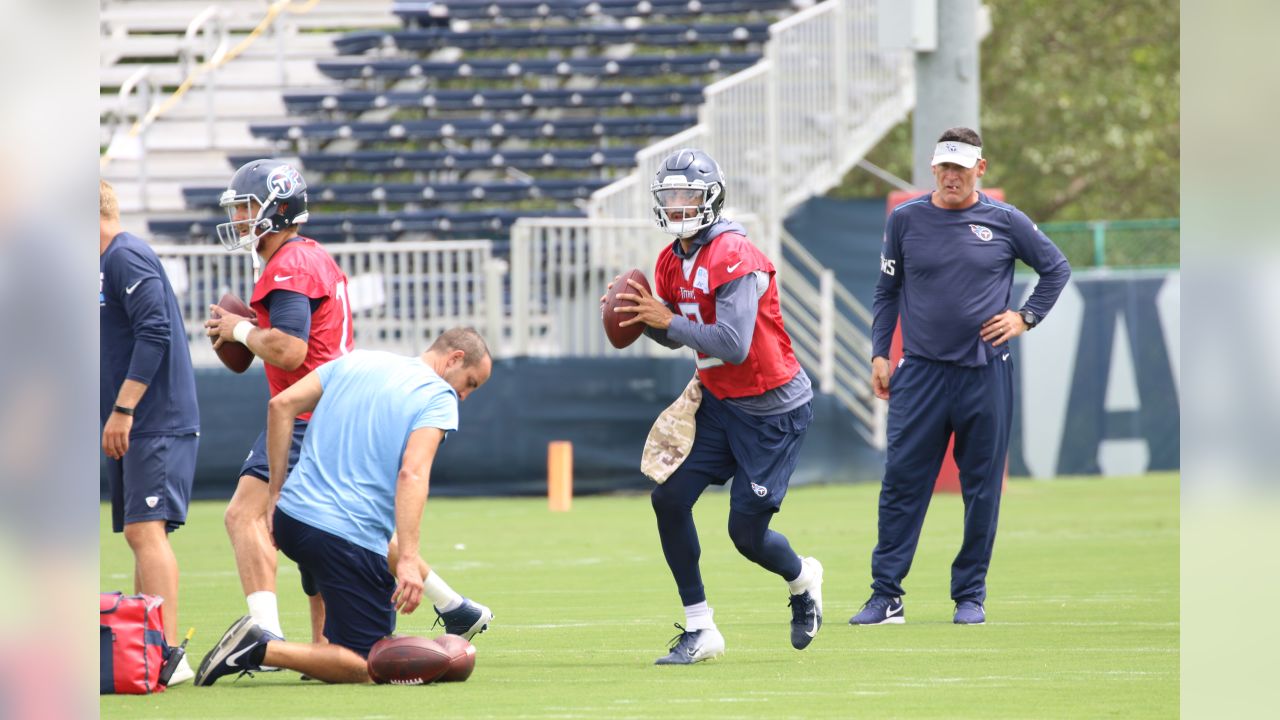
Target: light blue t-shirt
{"x":345,"y":480}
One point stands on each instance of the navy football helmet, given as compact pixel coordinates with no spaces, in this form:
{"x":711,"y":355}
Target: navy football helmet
{"x":264,"y":196}
{"x":688,"y":192}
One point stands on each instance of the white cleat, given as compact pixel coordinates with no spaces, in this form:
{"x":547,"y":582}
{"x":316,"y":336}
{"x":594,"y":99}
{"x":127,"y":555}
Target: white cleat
{"x":693,"y":646}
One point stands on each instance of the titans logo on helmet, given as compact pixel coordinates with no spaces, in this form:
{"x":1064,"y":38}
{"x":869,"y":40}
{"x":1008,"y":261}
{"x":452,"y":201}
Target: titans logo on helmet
{"x":284,"y":181}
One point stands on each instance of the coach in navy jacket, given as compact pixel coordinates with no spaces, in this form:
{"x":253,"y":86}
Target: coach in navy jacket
{"x":147,"y":405}
{"x":947,"y":272}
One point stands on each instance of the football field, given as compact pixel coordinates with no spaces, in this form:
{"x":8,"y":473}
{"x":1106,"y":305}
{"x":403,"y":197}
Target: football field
{"x":1082,"y":614}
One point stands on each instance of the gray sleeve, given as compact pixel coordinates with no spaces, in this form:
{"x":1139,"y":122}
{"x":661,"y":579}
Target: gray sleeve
{"x":729,"y":339}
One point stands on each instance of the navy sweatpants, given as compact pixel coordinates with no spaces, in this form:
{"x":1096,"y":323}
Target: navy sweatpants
{"x":928,"y":401}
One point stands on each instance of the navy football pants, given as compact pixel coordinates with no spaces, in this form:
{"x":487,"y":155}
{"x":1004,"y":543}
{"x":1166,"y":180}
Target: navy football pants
{"x":928,"y":401}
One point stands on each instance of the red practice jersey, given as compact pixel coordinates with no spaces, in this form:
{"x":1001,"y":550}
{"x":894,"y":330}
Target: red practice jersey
{"x":690,"y":285}
{"x":303,"y":266}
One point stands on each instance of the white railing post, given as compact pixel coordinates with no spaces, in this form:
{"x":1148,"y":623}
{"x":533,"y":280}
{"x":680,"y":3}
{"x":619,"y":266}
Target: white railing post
{"x":210,"y":28}
{"x":142,"y":86}
{"x":840,"y":68}
{"x":495,"y":271}
{"x":773,"y":198}
{"x":521,"y":238}
{"x":827,"y":329}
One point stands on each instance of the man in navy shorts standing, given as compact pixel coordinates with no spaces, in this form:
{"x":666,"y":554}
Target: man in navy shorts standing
{"x":377,"y":420}
{"x":147,"y":404}
{"x":715,"y":292}
{"x":947,"y":269}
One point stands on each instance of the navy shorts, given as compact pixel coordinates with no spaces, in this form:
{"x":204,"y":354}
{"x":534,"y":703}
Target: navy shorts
{"x":354,"y":582}
{"x":153,"y":480}
{"x":760,"y":452}
{"x":256,"y":463}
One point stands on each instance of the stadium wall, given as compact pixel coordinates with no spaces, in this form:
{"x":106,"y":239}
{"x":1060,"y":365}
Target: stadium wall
{"x":1098,"y":394}
{"x":1098,"y":382}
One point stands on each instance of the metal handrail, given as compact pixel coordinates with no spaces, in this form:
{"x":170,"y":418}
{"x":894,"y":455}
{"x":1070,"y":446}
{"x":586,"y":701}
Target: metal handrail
{"x":211,"y":25}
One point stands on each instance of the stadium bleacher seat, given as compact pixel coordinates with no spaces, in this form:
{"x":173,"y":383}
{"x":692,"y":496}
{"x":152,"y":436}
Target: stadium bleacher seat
{"x":432,"y":130}
{"x":420,"y":193}
{"x":431,"y":12}
{"x":392,"y":161}
{"x":551,"y":37}
{"x":636,"y":66}
{"x":354,"y":227}
{"x":480,"y":112}
{"x":354,"y":101}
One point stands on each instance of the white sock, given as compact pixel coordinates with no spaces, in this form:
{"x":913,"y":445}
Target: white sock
{"x":699,"y":617}
{"x":803,"y":580}
{"x":440,"y":594}
{"x":262,"y":608}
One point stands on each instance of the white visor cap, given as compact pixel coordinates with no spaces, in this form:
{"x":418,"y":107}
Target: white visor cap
{"x":953,"y":151}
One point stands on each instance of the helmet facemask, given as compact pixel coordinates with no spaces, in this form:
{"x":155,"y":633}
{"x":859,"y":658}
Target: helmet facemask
{"x":247,"y":221}
{"x":683,"y":208}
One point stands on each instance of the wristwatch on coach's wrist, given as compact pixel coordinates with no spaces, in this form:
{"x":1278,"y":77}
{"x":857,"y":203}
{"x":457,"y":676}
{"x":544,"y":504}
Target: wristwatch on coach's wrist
{"x":1029,"y":318}
{"x":123,"y":410}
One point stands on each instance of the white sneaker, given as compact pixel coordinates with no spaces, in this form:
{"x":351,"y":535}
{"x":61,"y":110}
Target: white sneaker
{"x":182,"y":673}
{"x":692,"y":646}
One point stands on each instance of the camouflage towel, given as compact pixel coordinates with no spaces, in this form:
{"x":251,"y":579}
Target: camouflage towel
{"x":671,"y":437}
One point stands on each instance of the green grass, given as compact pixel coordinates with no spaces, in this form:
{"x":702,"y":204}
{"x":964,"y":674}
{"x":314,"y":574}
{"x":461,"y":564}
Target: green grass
{"x":1082,"y":614}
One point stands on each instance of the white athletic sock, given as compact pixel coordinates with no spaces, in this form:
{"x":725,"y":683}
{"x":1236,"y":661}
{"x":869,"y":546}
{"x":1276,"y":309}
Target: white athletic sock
{"x":699,"y":617}
{"x":440,"y":594}
{"x":263,"y":609}
{"x":803,"y":580}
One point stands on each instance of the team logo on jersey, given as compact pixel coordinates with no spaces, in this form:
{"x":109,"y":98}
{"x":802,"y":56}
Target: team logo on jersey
{"x":688,"y":294}
{"x":984,"y":233}
{"x":284,"y":181}
{"x":701,"y":280}
{"x":887,"y":266}
{"x":759,"y":490}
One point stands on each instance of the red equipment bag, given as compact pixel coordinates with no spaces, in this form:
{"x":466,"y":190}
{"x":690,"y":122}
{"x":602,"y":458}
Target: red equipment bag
{"x":132,"y":648}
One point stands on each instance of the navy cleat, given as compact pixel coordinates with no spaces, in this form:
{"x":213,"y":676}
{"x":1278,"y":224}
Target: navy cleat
{"x":468,"y":619}
{"x":234,"y":652}
{"x":806,"y":609}
{"x":692,"y":646}
{"x":969,"y":612}
{"x":881,"y":610}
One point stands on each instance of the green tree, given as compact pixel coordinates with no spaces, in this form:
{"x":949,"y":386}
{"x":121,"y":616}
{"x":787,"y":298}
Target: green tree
{"x":1079,"y":111}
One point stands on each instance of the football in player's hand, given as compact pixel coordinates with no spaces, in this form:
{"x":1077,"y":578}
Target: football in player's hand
{"x":235,"y":355}
{"x":619,"y":336}
{"x":462,"y":657}
{"x":407,"y":660}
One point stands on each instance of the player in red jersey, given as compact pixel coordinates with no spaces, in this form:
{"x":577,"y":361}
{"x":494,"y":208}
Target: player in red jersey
{"x":303,"y":321}
{"x":716,"y":293}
